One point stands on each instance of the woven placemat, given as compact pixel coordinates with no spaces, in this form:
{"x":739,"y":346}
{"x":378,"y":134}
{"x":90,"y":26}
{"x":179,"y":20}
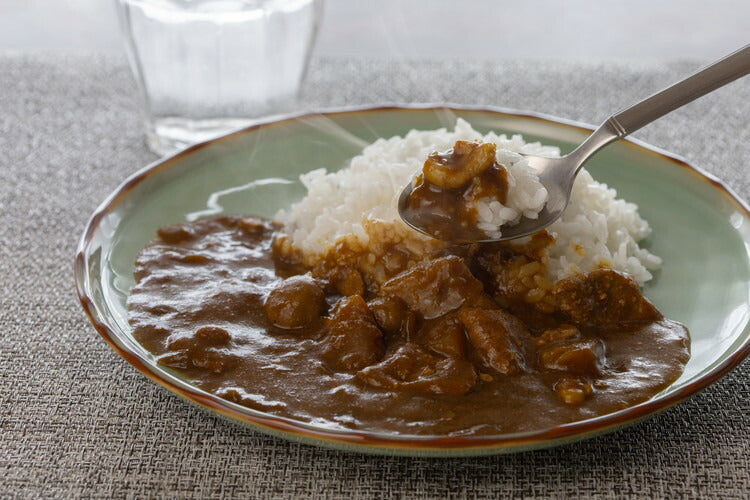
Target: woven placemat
{"x":77,"y":420}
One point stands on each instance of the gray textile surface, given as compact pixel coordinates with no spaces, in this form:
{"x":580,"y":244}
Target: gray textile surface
{"x":77,"y":420}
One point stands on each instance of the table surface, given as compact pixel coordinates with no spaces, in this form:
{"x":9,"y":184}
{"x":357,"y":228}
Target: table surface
{"x":77,"y":420}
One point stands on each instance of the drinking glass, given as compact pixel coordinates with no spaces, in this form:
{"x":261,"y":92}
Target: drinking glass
{"x":205,"y":67}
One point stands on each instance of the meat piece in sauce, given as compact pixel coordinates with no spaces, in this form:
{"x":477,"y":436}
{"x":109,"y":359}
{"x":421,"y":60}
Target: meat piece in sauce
{"x":436,"y":287}
{"x":457,"y":167}
{"x":389,"y":311}
{"x":295,"y":303}
{"x":565,"y":349}
{"x":562,"y":351}
{"x":601,"y":298}
{"x":500,"y":340}
{"x":354,"y":340}
{"x":444,"y":335}
{"x":346,"y":281}
{"x":581,"y":357}
{"x":394,"y":318}
{"x":412,"y":368}
{"x":573,"y":390}
{"x":205,"y":348}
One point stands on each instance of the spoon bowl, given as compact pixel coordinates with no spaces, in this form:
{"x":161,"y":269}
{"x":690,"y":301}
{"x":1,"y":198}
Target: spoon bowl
{"x":549,"y":170}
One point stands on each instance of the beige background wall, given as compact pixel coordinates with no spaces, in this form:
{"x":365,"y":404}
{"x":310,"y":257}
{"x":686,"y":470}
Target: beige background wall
{"x":629,"y":29}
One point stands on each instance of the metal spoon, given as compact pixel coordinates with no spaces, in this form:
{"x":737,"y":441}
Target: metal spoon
{"x":558,"y":174}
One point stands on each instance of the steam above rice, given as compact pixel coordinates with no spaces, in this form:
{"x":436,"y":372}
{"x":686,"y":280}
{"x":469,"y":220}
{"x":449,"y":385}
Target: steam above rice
{"x":596,"y":230}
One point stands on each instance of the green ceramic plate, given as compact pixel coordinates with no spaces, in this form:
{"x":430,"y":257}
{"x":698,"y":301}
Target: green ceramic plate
{"x":701,"y":229}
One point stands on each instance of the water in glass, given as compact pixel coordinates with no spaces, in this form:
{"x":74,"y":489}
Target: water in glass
{"x":208,"y":66}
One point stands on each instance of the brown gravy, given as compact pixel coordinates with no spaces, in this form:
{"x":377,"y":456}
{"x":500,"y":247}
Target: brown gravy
{"x":453,"y":346}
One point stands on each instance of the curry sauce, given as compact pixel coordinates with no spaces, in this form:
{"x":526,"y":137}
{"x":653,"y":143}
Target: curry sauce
{"x":470,"y":341}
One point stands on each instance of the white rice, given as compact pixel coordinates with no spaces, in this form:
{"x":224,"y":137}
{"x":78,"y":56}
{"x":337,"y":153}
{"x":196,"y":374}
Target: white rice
{"x":526,"y":195}
{"x":596,"y":230}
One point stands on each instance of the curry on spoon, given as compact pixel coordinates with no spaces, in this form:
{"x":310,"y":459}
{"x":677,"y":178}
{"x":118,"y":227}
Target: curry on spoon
{"x":441,"y":201}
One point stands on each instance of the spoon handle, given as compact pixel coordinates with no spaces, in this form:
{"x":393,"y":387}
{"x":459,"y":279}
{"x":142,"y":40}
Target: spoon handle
{"x":718,"y":74}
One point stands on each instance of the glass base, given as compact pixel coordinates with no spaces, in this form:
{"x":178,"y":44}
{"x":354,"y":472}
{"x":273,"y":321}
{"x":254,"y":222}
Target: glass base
{"x":166,"y":136}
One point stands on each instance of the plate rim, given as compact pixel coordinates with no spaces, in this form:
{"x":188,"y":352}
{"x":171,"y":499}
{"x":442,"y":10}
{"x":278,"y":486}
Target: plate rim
{"x":374,"y":442}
